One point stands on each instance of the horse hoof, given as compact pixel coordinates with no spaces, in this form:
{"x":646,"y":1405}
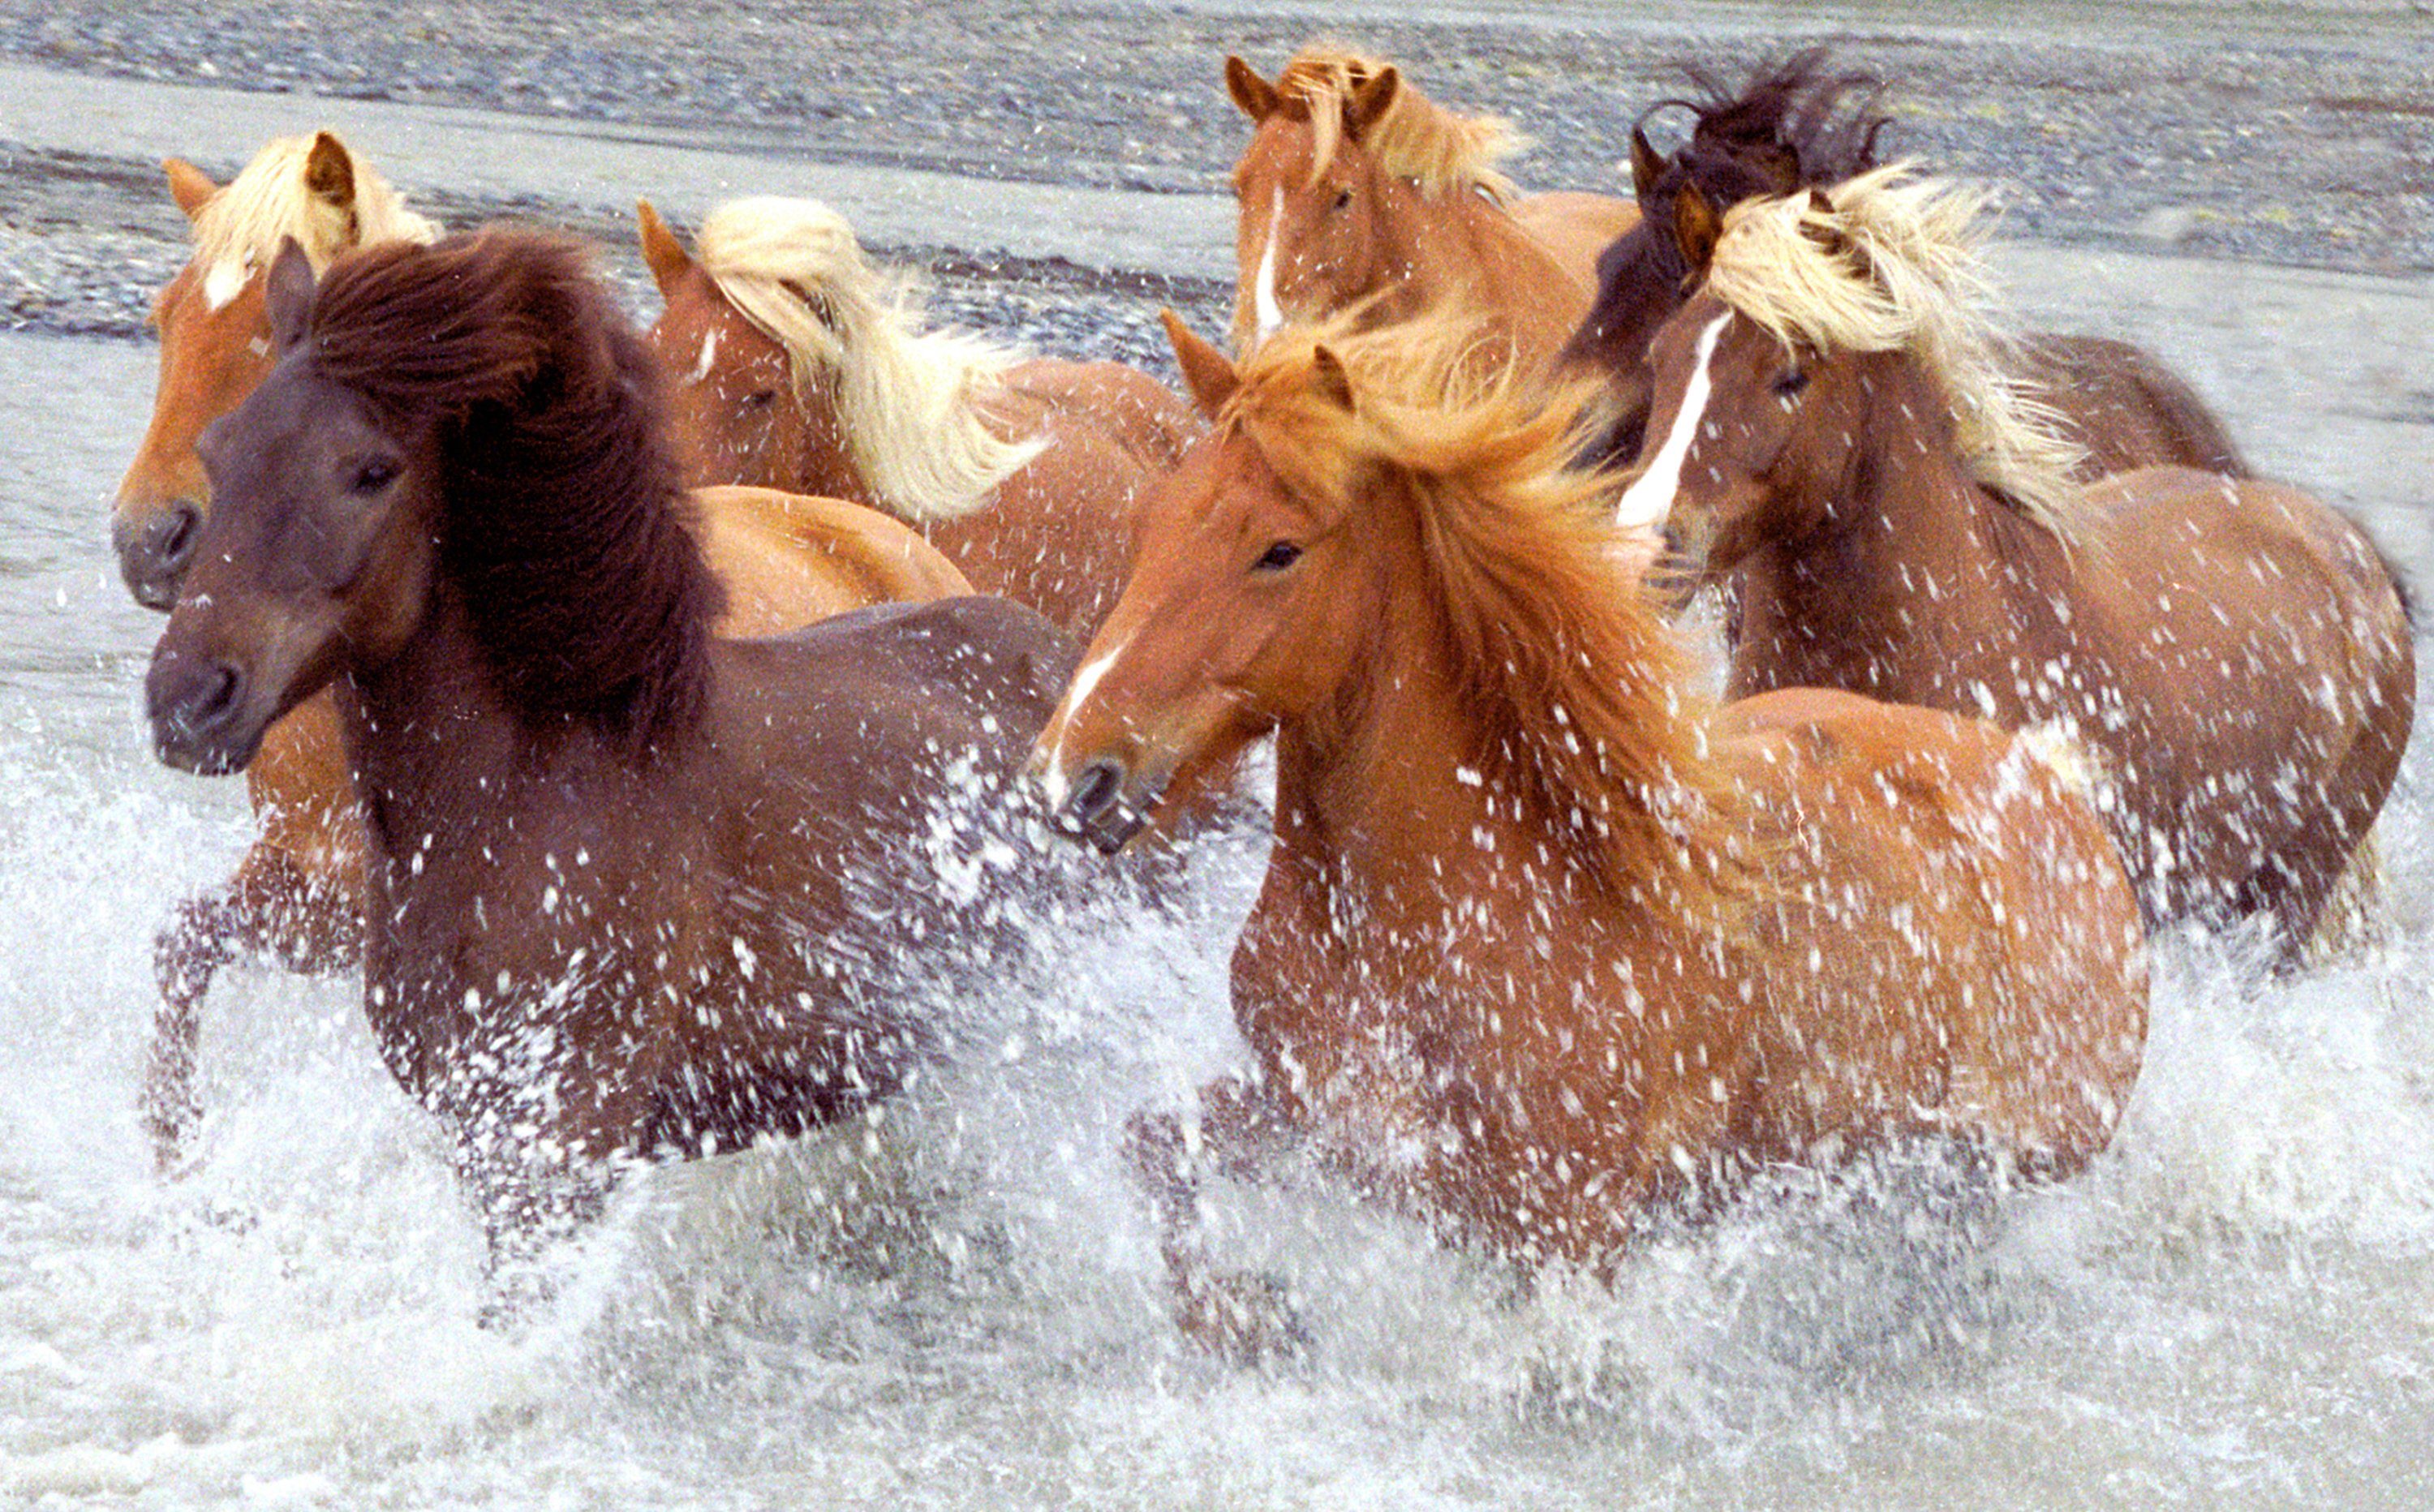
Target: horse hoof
{"x":1243,"y":1319}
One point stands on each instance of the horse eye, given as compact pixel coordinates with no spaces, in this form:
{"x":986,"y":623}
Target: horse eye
{"x":1344,"y":198}
{"x":1792,"y":382}
{"x":375,"y":475}
{"x":1279,"y":556}
{"x":759,"y":399}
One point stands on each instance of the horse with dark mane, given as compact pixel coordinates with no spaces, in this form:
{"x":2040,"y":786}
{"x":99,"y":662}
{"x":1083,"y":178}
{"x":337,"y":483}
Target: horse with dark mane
{"x":1842,"y":430}
{"x":1801,"y":124}
{"x":635,"y":890}
{"x":1544,"y":939}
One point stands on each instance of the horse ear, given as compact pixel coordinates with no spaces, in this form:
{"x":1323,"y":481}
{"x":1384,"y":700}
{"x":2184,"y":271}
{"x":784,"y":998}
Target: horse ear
{"x":287,"y":293}
{"x":330,"y":172}
{"x":1371,"y":98}
{"x":1328,"y":378}
{"x":189,"y":186}
{"x":1697,"y":225}
{"x":1255,"y":96}
{"x":1646,"y":167}
{"x":1207,"y":375}
{"x":667,"y":255}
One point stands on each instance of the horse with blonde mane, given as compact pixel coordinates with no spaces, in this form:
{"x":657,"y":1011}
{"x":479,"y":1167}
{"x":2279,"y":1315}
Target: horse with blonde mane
{"x":1801,"y":123}
{"x":1359,"y":192}
{"x":1545,"y":939}
{"x":1842,"y":426}
{"x":637,"y":891}
{"x":797,"y":365}
{"x":297,"y":896}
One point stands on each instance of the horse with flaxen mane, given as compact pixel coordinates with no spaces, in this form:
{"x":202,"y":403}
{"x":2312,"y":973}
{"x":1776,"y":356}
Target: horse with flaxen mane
{"x":298,"y":895}
{"x":1546,"y":940}
{"x":797,"y":365}
{"x":1840,"y":426}
{"x":634,"y":889}
{"x":1359,"y":192}
{"x":1802,"y":124}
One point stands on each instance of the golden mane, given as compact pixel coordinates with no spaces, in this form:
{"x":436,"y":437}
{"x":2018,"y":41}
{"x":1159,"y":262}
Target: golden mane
{"x":1889,"y":262}
{"x":1417,"y":138}
{"x":907,"y":398}
{"x":239,"y":228}
{"x":1580,"y":690}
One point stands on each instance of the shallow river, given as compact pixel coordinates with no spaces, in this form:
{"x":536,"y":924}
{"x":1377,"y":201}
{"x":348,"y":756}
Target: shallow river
{"x":960,"y":1307}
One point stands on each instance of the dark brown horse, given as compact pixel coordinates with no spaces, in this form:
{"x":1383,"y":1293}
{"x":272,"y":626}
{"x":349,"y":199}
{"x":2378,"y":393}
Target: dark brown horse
{"x":1803,"y":124}
{"x":1543,"y":940}
{"x":1839,"y":425}
{"x":634,"y":891}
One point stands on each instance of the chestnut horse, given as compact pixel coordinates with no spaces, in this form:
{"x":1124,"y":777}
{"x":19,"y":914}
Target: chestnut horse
{"x":799,"y":365}
{"x":1543,"y":940}
{"x":1836,"y":424}
{"x":1359,"y":191}
{"x":297,"y":895}
{"x":1797,"y":124}
{"x":636,"y":891}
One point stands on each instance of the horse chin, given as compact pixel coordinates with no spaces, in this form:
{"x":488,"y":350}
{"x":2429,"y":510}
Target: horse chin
{"x":218,"y":753}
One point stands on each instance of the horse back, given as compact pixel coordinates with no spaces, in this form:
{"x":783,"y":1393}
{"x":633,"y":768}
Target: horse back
{"x":788,"y":559}
{"x":1111,"y":407}
{"x":2130,"y":410}
{"x":1954,"y":935}
{"x":1576,"y":227}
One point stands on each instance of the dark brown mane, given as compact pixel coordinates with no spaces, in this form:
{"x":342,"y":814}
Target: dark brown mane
{"x":562,"y":516}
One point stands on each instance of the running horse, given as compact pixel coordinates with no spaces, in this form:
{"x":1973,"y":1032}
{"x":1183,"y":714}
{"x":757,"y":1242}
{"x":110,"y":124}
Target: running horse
{"x":1545,"y":939}
{"x":1359,"y":192}
{"x":1840,"y":425}
{"x":635,"y":890}
{"x":297,"y":893}
{"x":801,"y":365}
{"x":1801,"y":124}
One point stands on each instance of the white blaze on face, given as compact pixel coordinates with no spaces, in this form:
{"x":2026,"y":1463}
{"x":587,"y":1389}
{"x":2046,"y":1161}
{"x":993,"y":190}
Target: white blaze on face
{"x":1649,"y":500}
{"x":224,"y":281}
{"x":1052,"y":780}
{"x":702,"y":365}
{"x":1263,"y":284}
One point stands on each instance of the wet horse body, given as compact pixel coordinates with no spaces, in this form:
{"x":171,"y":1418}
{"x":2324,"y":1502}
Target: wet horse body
{"x":298,"y":895}
{"x":1357,"y":193}
{"x":796,"y":368}
{"x":1801,"y":124}
{"x":635,"y":890}
{"x":2234,"y":654}
{"x":1543,"y":942}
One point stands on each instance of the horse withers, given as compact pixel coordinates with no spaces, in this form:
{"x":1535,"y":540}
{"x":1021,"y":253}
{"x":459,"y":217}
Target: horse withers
{"x":1545,"y":940}
{"x":635,"y":890}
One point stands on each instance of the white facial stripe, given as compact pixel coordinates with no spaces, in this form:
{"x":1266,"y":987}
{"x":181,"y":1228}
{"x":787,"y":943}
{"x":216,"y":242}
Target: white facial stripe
{"x":708,"y":355}
{"x":1648,"y":501}
{"x":1084,"y":681}
{"x":1263,"y":288}
{"x":224,"y":281}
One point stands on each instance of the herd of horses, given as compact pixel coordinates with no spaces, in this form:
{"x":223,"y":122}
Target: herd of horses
{"x":655,"y":716}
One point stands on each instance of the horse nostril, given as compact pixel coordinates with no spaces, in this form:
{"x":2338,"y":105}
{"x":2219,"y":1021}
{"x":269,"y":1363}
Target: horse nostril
{"x":1095,"y":792}
{"x":173,"y":538}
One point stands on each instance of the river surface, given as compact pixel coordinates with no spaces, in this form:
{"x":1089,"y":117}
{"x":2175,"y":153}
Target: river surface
{"x":960,"y":1307}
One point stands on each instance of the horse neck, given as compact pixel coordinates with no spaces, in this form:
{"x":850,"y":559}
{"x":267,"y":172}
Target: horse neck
{"x":1895,"y":552}
{"x":823,"y":465}
{"x":1464,"y":245}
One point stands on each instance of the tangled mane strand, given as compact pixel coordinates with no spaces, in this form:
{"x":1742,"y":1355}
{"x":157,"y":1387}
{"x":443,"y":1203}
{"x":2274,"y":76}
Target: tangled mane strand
{"x":1417,"y":138}
{"x":239,"y":228}
{"x":1827,"y":119}
{"x":1889,"y":262}
{"x":907,"y":397}
{"x":1578,"y":690}
{"x":563,"y":517}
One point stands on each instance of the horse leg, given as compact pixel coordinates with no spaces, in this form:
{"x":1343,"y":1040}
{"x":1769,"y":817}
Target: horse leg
{"x":1240,"y":1132}
{"x":186,"y":956}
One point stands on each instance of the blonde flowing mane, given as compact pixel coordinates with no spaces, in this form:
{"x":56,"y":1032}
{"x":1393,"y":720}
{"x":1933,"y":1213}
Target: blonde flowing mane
{"x":1417,"y":138}
{"x":907,"y":398}
{"x":240,"y":228}
{"x":1889,"y":262}
{"x":1579,"y":690}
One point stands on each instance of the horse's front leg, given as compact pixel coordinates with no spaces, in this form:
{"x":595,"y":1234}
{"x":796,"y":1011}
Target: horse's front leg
{"x":201,"y":938}
{"x":1242,"y":1130}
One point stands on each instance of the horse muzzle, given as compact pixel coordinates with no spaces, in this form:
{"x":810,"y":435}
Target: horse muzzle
{"x":153,"y":553}
{"x":201,"y":720}
{"x":1105,"y":804}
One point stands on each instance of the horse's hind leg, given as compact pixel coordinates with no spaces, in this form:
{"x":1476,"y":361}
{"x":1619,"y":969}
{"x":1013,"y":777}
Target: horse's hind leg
{"x":1243,"y":1317}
